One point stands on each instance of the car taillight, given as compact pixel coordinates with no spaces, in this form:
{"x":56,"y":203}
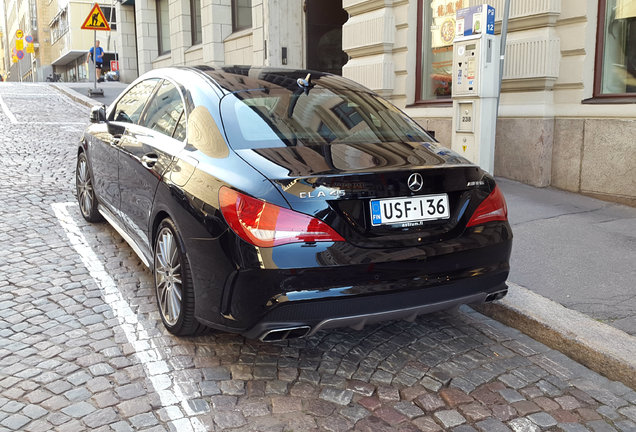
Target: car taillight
{"x":263,"y":224}
{"x":493,"y":208}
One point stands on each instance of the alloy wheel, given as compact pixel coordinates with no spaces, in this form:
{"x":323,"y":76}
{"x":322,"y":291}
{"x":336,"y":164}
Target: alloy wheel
{"x":168,"y":279}
{"x":85,"y":190}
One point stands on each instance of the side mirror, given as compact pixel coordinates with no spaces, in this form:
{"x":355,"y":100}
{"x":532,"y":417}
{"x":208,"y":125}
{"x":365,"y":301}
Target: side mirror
{"x":98,"y":114}
{"x":115,"y":129}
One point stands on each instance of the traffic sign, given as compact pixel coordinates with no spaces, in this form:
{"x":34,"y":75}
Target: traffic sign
{"x":19,"y":44}
{"x":114,"y":65}
{"x":29,"y":39}
{"x":19,"y":34}
{"x":20,"y":54}
{"x":96,"y":20}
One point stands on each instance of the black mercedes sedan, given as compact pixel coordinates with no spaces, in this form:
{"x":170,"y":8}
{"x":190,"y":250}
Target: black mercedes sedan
{"x":275,"y":203}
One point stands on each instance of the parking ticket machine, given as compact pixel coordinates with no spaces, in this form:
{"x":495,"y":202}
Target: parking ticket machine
{"x":475,"y":86}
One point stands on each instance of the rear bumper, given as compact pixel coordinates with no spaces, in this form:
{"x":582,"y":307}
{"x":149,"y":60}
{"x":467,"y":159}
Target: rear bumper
{"x":359,"y":312}
{"x":337,"y":284}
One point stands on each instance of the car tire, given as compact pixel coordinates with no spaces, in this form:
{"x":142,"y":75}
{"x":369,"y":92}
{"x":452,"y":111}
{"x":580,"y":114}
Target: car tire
{"x":173,"y":282}
{"x":85,"y":191}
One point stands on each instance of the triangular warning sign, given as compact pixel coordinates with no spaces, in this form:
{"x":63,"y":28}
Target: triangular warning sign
{"x":95,"y":20}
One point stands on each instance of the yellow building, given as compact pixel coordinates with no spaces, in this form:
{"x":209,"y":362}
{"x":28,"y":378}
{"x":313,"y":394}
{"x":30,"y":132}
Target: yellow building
{"x":30,"y":18}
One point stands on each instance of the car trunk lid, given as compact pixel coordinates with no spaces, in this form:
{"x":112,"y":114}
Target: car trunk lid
{"x":338,"y":183}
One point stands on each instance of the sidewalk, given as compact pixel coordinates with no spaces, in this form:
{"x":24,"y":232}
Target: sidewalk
{"x":578,"y":251}
{"x":78,"y":91}
{"x":573,"y":268}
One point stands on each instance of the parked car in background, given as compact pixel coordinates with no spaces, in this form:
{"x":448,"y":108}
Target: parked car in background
{"x":275,"y":203}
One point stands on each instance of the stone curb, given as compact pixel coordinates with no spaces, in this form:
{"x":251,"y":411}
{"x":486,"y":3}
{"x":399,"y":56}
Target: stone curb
{"x":598,"y":346}
{"x":77,"y":97}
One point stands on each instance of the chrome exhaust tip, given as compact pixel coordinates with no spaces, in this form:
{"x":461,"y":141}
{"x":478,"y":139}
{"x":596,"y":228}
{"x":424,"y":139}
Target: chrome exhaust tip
{"x":496,"y":296}
{"x":275,"y":335}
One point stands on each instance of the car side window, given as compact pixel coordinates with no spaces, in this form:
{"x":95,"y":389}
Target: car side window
{"x":131,"y":105}
{"x":164,"y":110}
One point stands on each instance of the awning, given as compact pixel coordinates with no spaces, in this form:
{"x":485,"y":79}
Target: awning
{"x":69,"y":57}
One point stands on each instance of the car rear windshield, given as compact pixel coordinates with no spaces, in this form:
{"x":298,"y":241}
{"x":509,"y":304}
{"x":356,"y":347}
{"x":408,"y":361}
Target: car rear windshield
{"x":274,"y":118}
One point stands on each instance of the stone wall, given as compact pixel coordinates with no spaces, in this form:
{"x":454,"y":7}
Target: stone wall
{"x":238,"y":48}
{"x":596,"y":157}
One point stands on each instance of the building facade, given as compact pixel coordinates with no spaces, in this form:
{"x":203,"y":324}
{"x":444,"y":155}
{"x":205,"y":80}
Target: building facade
{"x":69,"y":43}
{"x":61,"y":45}
{"x":20,"y":15}
{"x":567,"y":113}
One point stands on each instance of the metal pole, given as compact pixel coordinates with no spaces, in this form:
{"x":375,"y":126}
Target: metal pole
{"x":502,"y":49}
{"x":95,"y":59}
{"x":95,"y":91}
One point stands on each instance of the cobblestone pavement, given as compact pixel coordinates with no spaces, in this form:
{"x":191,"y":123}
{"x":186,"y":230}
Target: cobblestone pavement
{"x":82,"y":346}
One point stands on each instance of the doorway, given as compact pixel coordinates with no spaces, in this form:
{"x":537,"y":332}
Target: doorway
{"x":324,"y":20}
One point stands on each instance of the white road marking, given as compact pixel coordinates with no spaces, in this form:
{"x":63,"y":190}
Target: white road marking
{"x":149,"y":354}
{"x":7,"y":111}
{"x":30,"y":94}
{"x":56,"y":123}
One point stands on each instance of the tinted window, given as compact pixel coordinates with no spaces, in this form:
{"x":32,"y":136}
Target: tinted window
{"x":164,"y":110}
{"x":274,"y":118}
{"x":130,"y":106}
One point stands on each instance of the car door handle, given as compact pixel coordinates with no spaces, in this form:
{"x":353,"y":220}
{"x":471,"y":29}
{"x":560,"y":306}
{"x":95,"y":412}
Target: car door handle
{"x":149,"y":160}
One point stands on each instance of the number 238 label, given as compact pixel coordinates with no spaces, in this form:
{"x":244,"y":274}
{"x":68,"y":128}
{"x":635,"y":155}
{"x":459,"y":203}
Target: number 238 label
{"x":409,"y":209}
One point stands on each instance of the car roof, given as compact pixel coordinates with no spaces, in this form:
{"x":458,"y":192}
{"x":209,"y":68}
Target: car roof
{"x":232,"y":79}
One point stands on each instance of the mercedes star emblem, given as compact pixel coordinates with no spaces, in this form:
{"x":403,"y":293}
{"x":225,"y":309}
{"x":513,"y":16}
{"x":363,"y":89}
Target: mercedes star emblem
{"x":415,"y":182}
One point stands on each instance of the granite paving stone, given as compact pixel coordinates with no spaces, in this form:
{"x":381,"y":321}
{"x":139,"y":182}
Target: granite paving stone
{"x":600,"y":426}
{"x":542,"y":419}
{"x":523,"y":424}
{"x":449,"y":418}
{"x":492,"y":425}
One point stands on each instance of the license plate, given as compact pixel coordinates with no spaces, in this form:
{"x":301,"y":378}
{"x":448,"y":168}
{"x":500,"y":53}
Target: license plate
{"x":410,"y":209}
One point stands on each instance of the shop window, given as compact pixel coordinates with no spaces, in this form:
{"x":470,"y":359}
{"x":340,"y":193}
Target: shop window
{"x":195,"y":21}
{"x":615,"y":72}
{"x":436,"y":31}
{"x":241,"y":14}
{"x":163,"y":26}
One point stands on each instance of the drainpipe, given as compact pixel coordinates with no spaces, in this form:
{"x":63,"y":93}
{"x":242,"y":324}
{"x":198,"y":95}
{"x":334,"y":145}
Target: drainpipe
{"x":502,"y":49}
